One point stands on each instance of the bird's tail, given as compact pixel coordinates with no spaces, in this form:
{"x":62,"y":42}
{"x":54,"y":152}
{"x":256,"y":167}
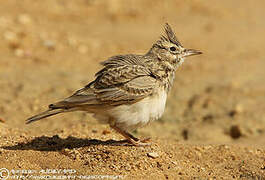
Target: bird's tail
{"x":45,"y":114}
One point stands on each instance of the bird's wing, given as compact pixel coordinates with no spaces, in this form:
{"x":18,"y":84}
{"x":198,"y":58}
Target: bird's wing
{"x":123,"y":81}
{"x":129,"y":92}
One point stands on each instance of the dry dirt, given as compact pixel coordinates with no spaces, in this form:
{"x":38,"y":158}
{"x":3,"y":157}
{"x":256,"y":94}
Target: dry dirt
{"x":214,"y":123}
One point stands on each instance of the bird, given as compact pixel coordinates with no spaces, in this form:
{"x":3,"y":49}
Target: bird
{"x":131,"y":90}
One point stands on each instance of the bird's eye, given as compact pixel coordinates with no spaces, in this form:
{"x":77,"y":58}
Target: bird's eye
{"x":172,"y":48}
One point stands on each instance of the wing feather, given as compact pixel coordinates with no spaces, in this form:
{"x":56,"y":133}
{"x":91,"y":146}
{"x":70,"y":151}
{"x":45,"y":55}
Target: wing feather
{"x":123,"y":80}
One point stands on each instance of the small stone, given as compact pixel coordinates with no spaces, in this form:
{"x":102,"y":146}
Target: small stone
{"x":19,"y":52}
{"x":175,"y":163}
{"x":226,"y":147}
{"x":153,"y":154}
{"x":198,"y":149}
{"x":235,"y":132}
{"x":239,"y":108}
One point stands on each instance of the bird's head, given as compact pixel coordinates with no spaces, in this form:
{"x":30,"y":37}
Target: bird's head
{"x":169,"y":49}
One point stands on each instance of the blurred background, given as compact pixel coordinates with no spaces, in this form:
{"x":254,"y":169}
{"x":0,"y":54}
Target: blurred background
{"x":51,"y":48}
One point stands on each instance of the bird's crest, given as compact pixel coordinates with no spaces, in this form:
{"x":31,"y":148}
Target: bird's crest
{"x":170,"y":35}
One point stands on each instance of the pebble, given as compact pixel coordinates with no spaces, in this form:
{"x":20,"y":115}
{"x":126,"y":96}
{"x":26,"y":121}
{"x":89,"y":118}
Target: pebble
{"x":153,"y":154}
{"x":198,"y":149}
{"x":235,"y":132}
{"x":239,"y":108}
{"x":223,"y":146}
{"x":19,"y":52}
{"x":175,"y":163}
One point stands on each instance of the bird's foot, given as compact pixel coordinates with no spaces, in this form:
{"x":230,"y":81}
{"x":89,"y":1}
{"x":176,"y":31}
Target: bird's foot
{"x":131,"y":139}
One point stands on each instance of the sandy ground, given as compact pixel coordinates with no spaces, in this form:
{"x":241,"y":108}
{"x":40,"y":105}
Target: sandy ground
{"x":214,"y":123}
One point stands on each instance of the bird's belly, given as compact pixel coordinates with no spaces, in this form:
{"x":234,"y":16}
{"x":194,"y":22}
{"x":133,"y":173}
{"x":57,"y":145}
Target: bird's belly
{"x":130,"y":117}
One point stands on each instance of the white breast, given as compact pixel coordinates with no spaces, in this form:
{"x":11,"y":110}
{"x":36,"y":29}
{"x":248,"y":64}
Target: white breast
{"x":130,"y":117}
{"x":156,"y":105}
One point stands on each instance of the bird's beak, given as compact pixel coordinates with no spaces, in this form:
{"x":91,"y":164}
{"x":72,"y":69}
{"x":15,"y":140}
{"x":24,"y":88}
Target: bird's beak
{"x":191,"y":52}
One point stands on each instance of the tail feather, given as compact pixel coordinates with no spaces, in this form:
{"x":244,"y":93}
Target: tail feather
{"x":45,"y":114}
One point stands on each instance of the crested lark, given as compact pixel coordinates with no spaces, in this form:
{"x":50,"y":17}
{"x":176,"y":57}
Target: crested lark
{"x":130,"y":90}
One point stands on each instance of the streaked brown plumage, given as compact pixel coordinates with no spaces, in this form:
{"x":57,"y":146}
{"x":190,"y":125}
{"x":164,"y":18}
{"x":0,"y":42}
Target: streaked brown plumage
{"x":130,"y":90}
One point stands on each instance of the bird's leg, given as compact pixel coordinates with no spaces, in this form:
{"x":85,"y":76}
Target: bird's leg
{"x":133,"y":140}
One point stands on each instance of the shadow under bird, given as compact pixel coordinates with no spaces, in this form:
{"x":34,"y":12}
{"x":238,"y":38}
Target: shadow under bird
{"x":130,"y":90}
